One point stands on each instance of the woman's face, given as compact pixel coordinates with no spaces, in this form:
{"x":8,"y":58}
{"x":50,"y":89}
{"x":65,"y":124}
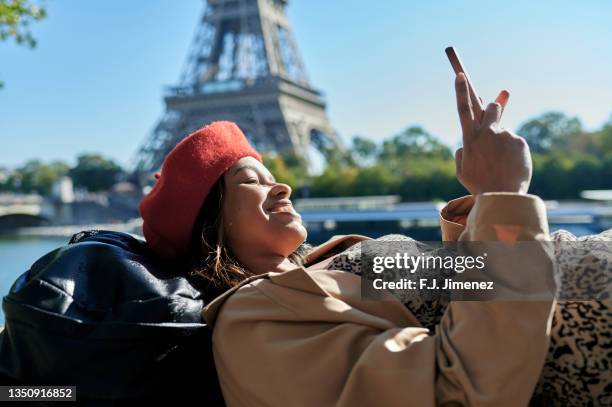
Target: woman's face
{"x":257,"y":212}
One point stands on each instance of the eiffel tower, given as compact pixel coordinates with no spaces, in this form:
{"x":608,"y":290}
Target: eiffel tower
{"x":244,"y":66}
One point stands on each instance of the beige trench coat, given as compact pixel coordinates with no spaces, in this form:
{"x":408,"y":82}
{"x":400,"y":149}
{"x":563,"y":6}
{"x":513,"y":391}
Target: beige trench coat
{"x":305,"y":337}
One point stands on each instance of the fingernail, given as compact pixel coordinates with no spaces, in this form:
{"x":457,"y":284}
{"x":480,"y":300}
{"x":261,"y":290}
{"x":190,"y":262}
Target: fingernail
{"x":461,"y":76}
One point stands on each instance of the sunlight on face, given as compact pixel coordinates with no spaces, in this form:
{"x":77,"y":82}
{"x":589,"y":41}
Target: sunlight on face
{"x":257,"y":212}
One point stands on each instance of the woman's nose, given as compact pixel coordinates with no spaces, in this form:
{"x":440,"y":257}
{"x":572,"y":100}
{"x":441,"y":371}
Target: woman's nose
{"x":281,"y":191}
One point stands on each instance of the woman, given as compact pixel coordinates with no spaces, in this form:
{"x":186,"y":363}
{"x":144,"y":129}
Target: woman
{"x":287,"y":335}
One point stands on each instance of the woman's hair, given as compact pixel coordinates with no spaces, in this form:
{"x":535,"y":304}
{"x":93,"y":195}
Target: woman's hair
{"x":211,"y":260}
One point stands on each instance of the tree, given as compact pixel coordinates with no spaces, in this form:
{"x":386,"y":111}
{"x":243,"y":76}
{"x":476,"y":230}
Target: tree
{"x":415,"y":152}
{"x":35,"y":176}
{"x":15,"y":18}
{"x":548,"y":130}
{"x":364,"y":150}
{"x":603,"y":139}
{"x":374,"y":180}
{"x":335,"y":181}
{"x":414,"y":142}
{"x":338,"y":158}
{"x":94,"y":172}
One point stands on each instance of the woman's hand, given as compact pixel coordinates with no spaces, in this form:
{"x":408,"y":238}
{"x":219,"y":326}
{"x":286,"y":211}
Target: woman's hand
{"x":491,"y":159}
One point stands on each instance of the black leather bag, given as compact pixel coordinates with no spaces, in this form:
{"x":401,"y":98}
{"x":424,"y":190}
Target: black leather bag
{"x":102,"y":313}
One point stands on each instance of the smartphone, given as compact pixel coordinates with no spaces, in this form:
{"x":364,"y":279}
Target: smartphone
{"x":455,"y":62}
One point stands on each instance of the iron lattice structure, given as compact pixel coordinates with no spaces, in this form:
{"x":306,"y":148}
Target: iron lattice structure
{"x":244,"y":66}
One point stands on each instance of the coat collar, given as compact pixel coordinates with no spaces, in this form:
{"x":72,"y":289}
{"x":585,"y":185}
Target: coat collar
{"x":335,"y":242}
{"x":296,"y":278}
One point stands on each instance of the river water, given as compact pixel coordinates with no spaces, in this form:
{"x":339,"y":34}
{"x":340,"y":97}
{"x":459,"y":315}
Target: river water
{"x":18,"y":254}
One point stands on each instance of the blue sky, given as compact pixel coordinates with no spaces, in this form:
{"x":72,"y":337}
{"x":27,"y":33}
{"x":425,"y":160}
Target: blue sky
{"x":94,"y":83}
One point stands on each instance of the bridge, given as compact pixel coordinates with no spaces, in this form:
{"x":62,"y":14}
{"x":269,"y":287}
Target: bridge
{"x":18,"y":210}
{"x":32,"y":210}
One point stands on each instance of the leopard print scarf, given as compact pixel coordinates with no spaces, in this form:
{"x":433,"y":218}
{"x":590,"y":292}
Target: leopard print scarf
{"x":578,"y":367}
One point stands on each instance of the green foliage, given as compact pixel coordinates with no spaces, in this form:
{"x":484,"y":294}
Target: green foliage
{"x":414,"y":142}
{"x":413,"y":164}
{"x":15,"y":19}
{"x":94,"y":172}
{"x":550,"y":130}
{"x":603,"y":140}
{"x":417,"y":166}
{"x":334,"y":182}
{"x":338,"y":159}
{"x":34,"y":177}
{"x":364,"y":151}
{"x":568,"y":159}
{"x":375,"y":180}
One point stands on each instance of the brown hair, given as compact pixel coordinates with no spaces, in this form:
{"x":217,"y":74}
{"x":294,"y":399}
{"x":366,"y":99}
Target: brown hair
{"x":211,"y":260}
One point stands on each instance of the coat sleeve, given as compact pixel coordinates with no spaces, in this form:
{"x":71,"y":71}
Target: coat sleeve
{"x":327,"y":353}
{"x":453,"y":217}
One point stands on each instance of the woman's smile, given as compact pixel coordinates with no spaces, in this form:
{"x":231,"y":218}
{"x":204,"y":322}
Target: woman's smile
{"x":282,"y":206}
{"x":284,"y":209}
{"x":292,"y":214}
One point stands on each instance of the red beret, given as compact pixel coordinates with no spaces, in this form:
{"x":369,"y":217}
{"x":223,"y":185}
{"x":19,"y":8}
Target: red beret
{"x":188,"y":173}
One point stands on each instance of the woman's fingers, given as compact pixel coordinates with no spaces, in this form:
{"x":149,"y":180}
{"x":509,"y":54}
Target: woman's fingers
{"x":475,"y":100}
{"x":492,"y":115}
{"x":464,"y":107}
{"x":458,"y":160}
{"x":502,"y":99}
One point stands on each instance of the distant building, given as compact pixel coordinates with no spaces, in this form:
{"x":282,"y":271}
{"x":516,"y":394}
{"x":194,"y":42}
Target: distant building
{"x":62,"y":190}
